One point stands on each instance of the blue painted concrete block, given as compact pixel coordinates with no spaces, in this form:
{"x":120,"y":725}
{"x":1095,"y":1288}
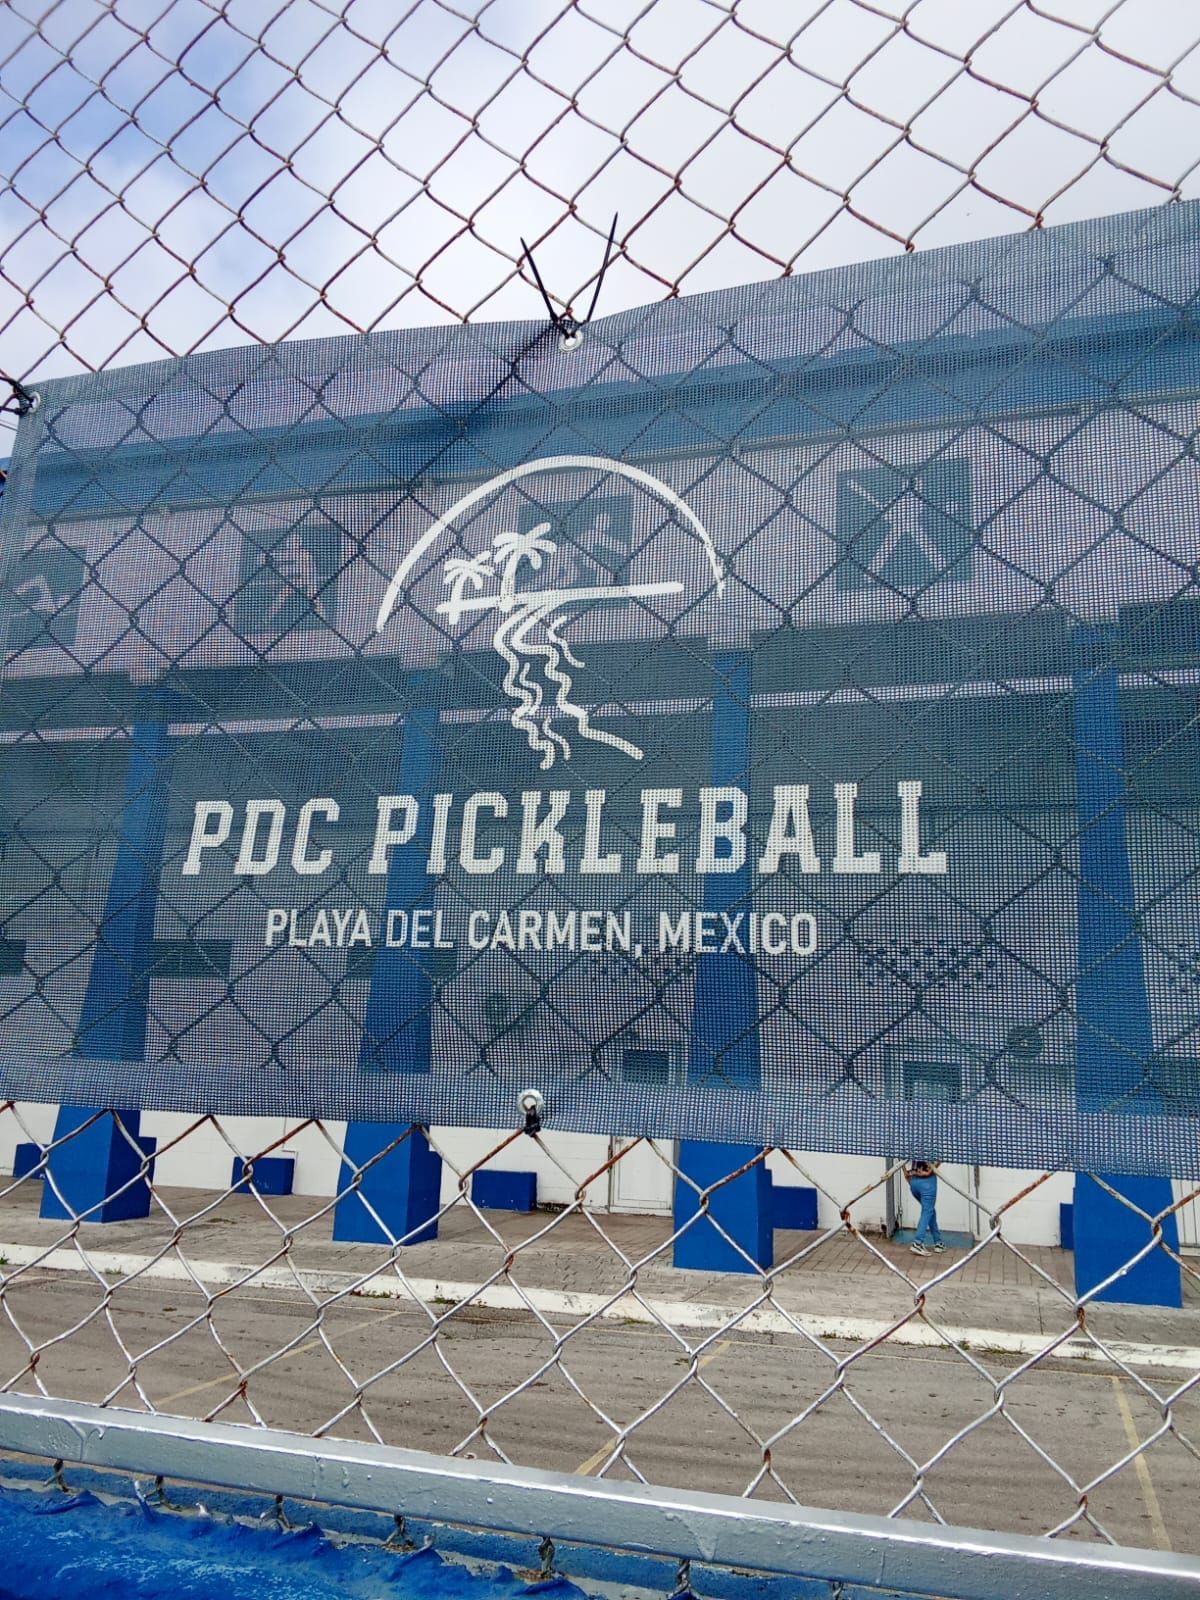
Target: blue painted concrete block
{"x":742,"y":1208}
{"x":27,"y":1158}
{"x":394,"y":1198}
{"x":1066,"y":1225}
{"x":96,"y":1171}
{"x":396,"y":1034}
{"x":112,"y":1020}
{"x":724,"y":1046}
{"x":505,"y":1191}
{"x":269,"y":1174}
{"x":1108,"y":1234}
{"x":793,"y":1206}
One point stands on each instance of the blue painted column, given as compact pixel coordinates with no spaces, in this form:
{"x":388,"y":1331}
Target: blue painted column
{"x":96,"y":1172}
{"x":93,"y":1165}
{"x":402,"y":1187}
{"x":724,"y":1047}
{"x":1114,"y":1036}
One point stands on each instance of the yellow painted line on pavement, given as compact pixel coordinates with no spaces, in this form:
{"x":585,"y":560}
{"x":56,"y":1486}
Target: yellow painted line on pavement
{"x":1142,"y":1468}
{"x":717,"y":1350}
{"x":301,"y":1349}
{"x":589,"y":1466}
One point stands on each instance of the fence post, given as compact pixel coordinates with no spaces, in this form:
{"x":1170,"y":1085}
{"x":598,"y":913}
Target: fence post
{"x":89,"y":1166}
{"x":724,"y":1045}
{"x":1113,"y":1028}
{"x":403,"y":1187}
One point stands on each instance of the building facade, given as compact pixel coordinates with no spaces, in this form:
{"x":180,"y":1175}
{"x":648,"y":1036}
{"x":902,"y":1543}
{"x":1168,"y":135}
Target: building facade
{"x":711,"y":727}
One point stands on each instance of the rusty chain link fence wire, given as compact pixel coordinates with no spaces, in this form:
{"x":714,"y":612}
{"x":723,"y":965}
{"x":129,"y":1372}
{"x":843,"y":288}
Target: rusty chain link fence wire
{"x":189,"y":176}
{"x":864,"y":830}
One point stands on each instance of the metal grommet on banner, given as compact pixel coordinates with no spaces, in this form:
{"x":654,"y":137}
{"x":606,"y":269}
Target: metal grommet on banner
{"x":532,"y":1103}
{"x":570,"y":332}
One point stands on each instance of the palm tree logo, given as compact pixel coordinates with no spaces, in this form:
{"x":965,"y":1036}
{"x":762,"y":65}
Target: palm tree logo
{"x":528,"y":634}
{"x":462,"y":573}
{"x":514,"y":548}
{"x":529,"y":621}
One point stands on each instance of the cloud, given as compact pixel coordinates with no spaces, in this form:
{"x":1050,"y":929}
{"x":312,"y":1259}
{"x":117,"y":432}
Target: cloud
{"x":217,"y":173}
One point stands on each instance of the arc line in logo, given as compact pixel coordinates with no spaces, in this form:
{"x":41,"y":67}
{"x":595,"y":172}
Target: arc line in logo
{"x":522,"y":611}
{"x":527,"y":469}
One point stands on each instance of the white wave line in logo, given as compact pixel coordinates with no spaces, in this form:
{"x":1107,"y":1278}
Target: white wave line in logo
{"x":554,"y":672}
{"x":555,"y":650}
{"x":510,"y":643}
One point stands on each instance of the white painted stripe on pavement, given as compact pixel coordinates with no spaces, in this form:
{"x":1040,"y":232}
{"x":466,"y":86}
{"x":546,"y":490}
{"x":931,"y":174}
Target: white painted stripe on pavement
{"x":624,"y":1306}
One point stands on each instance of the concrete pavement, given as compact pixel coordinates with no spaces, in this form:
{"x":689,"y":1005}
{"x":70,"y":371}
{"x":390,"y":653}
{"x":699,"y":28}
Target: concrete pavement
{"x":853,"y":1286}
{"x":854,"y":1376}
{"x":975,"y":1439}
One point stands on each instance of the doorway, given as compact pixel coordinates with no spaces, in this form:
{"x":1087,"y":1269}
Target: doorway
{"x":957,"y":1200}
{"x":642,"y":1181}
{"x":932,"y":1078}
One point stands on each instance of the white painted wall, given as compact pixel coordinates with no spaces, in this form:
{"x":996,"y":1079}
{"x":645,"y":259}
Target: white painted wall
{"x":202,"y":1159}
{"x":1033,"y":1220}
{"x":838,"y":1179}
{"x":580,"y":1154}
{"x":1188,"y":1215}
{"x":193,"y":1155}
{"x":38,"y":1119}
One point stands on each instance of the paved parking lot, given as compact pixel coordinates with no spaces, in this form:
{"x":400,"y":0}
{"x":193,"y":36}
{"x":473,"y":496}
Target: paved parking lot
{"x":500,"y":1380}
{"x":258,"y":1317}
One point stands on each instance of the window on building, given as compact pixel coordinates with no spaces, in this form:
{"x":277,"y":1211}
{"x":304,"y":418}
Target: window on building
{"x":642,"y":1065}
{"x":191,"y":958}
{"x":12,"y":957}
{"x":932,"y":1080}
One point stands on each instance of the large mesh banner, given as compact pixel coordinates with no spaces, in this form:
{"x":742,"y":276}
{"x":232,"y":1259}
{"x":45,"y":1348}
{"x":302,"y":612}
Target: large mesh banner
{"x":772,"y":717}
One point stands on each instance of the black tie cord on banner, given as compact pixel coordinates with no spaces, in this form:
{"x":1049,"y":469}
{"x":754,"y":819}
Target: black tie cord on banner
{"x":21,"y":401}
{"x":570,"y":332}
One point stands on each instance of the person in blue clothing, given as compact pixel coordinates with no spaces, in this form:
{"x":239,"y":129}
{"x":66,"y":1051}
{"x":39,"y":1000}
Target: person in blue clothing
{"x":923,"y":1182}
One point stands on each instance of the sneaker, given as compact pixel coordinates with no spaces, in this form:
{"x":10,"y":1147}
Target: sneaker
{"x":939,"y":1248}
{"x":918,"y":1249}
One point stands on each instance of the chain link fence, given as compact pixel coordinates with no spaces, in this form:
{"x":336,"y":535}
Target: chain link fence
{"x":866,"y":833}
{"x":845,"y":1374}
{"x":193,"y":176}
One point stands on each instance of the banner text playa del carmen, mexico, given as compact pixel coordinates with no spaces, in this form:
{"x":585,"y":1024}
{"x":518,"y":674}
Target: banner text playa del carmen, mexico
{"x":269,"y":836}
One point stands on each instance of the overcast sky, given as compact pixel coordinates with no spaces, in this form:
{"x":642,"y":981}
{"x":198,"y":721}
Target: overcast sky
{"x":194,"y":174}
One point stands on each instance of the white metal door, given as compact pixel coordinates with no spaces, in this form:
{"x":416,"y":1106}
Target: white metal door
{"x":1188,"y":1216}
{"x":642,"y":1179}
